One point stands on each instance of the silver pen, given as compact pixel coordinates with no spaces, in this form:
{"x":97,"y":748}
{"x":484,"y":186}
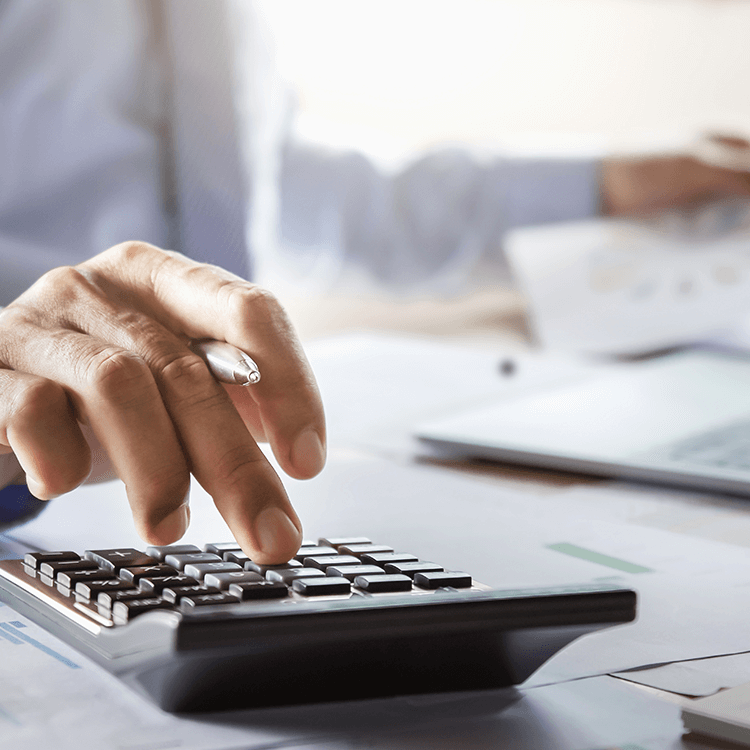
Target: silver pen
{"x":227,"y":363}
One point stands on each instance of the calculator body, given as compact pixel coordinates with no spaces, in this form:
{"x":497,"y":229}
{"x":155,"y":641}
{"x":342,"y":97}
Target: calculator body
{"x":336,"y":648}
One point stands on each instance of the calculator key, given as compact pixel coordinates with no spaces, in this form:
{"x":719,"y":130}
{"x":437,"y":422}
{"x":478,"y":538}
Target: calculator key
{"x":69,"y":578}
{"x":350,"y":572}
{"x":51,"y":568}
{"x":363,"y":549}
{"x":90,"y":590}
{"x":378,"y":584}
{"x":251,"y":590}
{"x":439,"y":580}
{"x":159,"y":553}
{"x":412,"y":568}
{"x":199,"y":570}
{"x":133,"y":575}
{"x":155,"y":586}
{"x":114,"y":559}
{"x":106,"y":599}
{"x":207,"y":600}
{"x":313,"y":552}
{"x":222,"y":580}
{"x":322,"y":586}
{"x":263,"y":569}
{"x":35,"y":559}
{"x":338,"y":541}
{"x":324,"y":561}
{"x":287,"y":575}
{"x":174,"y":595}
{"x":126,"y":610}
{"x":219,"y":548}
{"x":180,"y":561}
{"x":238,"y":557}
{"x":383,"y":558}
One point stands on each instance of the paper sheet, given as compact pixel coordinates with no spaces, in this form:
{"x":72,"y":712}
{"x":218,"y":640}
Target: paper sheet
{"x":623,"y":287}
{"x":695,"y":678}
{"x":50,"y":696}
{"x":377,"y":387}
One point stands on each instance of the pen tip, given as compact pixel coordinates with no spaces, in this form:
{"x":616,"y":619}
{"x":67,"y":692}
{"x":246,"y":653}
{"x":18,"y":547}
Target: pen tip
{"x":246,"y":372}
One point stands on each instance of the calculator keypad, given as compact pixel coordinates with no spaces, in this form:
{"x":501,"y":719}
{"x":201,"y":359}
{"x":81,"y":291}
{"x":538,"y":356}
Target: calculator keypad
{"x":120,"y":584}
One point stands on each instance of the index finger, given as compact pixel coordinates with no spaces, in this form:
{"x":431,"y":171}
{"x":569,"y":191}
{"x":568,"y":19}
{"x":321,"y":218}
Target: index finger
{"x":200,"y":301}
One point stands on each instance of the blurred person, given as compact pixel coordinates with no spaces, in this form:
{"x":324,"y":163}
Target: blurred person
{"x":134,"y":126}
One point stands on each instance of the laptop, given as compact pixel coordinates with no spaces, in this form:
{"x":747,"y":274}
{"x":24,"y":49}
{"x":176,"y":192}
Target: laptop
{"x":681,"y":419}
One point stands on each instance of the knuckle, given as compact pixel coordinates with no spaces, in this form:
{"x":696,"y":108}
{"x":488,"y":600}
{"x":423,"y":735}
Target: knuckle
{"x":253,"y":305}
{"x":117,"y":375}
{"x":64,"y":283}
{"x":186,"y":371}
{"x":238,"y":466}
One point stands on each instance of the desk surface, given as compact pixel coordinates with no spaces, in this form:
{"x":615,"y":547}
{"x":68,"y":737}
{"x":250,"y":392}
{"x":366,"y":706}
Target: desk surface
{"x":585,"y":714}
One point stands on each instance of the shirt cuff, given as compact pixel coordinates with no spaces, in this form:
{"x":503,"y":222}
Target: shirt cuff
{"x":17,"y":505}
{"x":541,"y":191}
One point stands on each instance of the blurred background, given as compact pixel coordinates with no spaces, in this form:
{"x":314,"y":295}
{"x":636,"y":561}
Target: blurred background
{"x":537,"y":77}
{"x":616,"y":74}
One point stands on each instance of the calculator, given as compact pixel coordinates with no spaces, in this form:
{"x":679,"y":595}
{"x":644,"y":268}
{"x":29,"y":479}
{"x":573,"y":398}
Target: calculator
{"x":206,"y":629}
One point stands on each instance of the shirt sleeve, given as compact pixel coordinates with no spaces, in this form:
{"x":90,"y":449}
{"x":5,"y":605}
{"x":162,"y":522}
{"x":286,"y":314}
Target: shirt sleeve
{"x":431,"y":224}
{"x":17,"y":504}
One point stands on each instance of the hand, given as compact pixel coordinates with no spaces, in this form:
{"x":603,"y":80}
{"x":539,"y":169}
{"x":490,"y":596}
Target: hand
{"x":643,"y":186}
{"x":102,"y":347}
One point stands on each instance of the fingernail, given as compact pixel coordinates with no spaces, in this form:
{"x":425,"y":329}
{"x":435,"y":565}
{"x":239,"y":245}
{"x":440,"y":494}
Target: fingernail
{"x":171,"y":528}
{"x":276,"y":533}
{"x":308,"y":454}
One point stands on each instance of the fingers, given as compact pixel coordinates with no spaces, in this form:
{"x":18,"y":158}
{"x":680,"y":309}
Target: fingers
{"x":114,"y":392}
{"x":38,"y":424}
{"x":155,"y":407}
{"x":207,"y":302}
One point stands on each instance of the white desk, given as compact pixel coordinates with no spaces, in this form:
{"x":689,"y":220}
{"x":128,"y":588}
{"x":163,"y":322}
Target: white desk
{"x":488,"y":508}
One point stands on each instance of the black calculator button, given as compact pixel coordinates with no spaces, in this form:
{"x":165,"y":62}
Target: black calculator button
{"x":90,"y":590}
{"x":263,"y":569}
{"x":154,"y":586}
{"x":236,"y":556}
{"x":313,"y":552}
{"x":180,"y":561}
{"x":133,"y":575}
{"x":35,"y":559}
{"x":69,"y":578}
{"x":199,"y":570}
{"x":223,"y":580}
{"x":322,"y":586}
{"x":106,"y":599}
{"x":412,"y":568}
{"x":126,"y":610}
{"x":338,"y":541}
{"x":323,"y":562}
{"x":52,"y":568}
{"x":439,"y":580}
{"x":174,"y":595}
{"x":219,"y":548}
{"x":259,"y":590}
{"x":208,"y":600}
{"x":383,"y":558}
{"x":159,"y":553}
{"x":114,"y":559}
{"x":350,"y":572}
{"x":376,"y":584}
{"x":363,"y":549}
{"x":287,"y":575}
